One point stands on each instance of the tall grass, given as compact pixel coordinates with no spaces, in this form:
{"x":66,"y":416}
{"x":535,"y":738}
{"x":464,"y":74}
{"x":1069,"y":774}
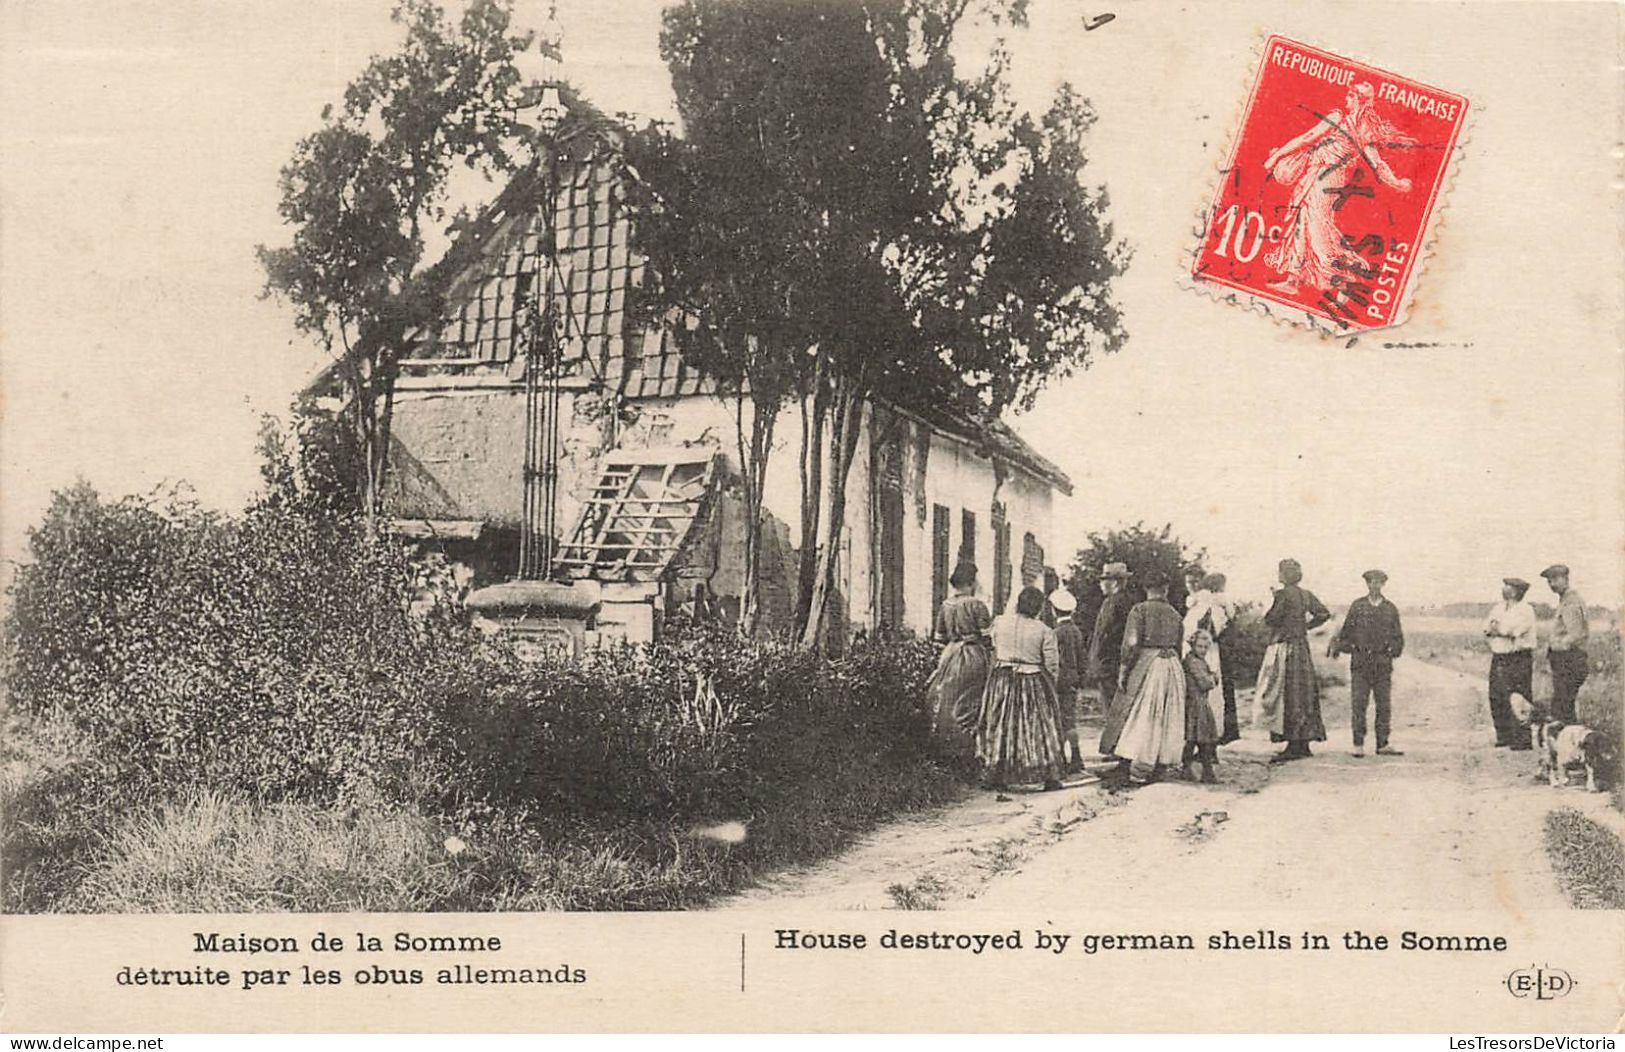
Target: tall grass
{"x":1588,"y":859}
{"x":214,"y":851}
{"x":210,"y":712}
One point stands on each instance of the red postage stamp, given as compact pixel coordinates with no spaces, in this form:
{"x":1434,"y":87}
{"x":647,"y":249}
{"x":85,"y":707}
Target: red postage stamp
{"x":1324,"y":201}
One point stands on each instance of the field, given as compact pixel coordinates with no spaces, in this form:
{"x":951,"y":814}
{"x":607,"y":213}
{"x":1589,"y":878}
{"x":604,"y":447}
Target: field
{"x":1459,"y":644}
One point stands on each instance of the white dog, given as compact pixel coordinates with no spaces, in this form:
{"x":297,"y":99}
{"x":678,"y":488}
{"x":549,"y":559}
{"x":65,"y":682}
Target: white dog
{"x":1522,"y":711}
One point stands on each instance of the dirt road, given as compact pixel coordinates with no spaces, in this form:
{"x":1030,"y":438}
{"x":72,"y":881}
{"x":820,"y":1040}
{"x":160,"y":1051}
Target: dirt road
{"x":1452,"y":824}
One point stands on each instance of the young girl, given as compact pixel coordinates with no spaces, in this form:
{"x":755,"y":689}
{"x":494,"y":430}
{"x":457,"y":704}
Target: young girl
{"x":1201,"y":730}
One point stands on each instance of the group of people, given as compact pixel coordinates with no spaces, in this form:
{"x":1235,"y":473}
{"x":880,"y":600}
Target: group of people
{"x":1510,"y":630}
{"x":1008,"y":689}
{"x":997,"y":686}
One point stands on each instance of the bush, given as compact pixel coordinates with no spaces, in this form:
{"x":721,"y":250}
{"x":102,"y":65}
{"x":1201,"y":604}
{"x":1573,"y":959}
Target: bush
{"x":1602,"y":696}
{"x":711,"y":726}
{"x":1249,"y":638}
{"x":271,"y":653}
{"x":213,"y":672}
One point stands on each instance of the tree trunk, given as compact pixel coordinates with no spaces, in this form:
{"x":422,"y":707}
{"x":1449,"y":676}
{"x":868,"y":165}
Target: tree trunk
{"x":814,"y":411}
{"x":753,"y":458}
{"x":362,"y":419}
{"x":385,"y":425}
{"x":848,"y":414}
{"x":388,"y":370}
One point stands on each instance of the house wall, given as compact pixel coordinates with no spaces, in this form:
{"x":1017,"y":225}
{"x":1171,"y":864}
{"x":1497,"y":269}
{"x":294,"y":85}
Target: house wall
{"x":961,"y":480}
{"x":459,"y":455}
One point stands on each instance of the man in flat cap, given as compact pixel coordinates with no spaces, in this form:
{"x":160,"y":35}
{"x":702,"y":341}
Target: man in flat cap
{"x":1372,"y":637}
{"x":1566,"y":648}
{"x":1107,"y":641}
{"x":1510,"y":630}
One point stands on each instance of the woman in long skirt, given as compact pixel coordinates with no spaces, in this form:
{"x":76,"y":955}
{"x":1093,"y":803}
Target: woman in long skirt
{"x":1145,"y":728}
{"x":1019,"y":735}
{"x":1287,"y":699}
{"x":957,"y":685}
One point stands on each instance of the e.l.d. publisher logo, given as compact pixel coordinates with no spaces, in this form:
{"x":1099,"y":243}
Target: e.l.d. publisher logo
{"x":1543,"y":984}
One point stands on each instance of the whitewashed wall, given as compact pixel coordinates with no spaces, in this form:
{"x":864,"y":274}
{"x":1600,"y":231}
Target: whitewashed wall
{"x":469,"y":441}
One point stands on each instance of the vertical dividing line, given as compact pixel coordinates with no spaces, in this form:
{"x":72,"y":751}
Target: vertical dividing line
{"x":741,"y":962}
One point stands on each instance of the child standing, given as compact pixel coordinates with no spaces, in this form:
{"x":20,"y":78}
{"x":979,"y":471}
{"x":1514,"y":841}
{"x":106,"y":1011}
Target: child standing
{"x":1073,"y":649}
{"x":1201,"y":730}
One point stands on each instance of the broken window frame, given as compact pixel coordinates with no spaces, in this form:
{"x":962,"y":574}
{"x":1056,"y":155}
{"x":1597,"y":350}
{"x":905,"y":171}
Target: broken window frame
{"x":630,"y":531}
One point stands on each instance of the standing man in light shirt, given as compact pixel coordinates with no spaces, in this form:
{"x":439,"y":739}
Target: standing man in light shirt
{"x":1566,"y":649}
{"x":1511,"y":632}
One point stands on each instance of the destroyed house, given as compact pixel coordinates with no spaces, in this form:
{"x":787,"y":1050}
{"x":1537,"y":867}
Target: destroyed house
{"x":612,"y":473}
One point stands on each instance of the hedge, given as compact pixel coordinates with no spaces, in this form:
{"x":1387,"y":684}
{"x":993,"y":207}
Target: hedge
{"x":275,"y":654}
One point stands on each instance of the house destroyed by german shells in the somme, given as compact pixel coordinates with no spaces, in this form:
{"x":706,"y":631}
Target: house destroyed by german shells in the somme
{"x":590,"y":500}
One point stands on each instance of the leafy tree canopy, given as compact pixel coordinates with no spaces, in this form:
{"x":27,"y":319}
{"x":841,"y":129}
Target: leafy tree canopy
{"x":1142,"y":548}
{"x":843,"y":191}
{"x":360,"y":191}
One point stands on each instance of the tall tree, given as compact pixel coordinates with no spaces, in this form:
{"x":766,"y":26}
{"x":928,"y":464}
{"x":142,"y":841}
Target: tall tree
{"x":884,"y":224}
{"x":362,"y":189}
{"x":727,"y":231}
{"x":1141,"y":548}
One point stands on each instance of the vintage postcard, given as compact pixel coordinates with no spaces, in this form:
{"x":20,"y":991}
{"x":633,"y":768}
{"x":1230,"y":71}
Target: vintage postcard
{"x":812,"y":515}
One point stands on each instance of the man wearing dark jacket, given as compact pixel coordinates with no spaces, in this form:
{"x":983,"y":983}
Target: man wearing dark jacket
{"x":1107,"y":639}
{"x":1371,"y":636}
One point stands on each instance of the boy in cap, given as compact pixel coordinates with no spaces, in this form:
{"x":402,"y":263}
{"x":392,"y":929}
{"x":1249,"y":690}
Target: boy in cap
{"x":1372,"y":637}
{"x":1073,"y":652}
{"x":1566,"y":649}
{"x":1510,"y":630}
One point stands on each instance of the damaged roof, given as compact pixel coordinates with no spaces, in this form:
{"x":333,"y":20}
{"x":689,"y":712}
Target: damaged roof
{"x":498,"y":261}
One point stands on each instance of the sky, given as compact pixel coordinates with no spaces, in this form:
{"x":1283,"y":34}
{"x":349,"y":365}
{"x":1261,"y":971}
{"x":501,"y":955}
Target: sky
{"x":140,"y":142}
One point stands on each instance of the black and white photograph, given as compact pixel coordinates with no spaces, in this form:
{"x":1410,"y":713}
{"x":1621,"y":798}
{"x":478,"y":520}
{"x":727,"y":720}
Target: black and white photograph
{"x":796,"y":467}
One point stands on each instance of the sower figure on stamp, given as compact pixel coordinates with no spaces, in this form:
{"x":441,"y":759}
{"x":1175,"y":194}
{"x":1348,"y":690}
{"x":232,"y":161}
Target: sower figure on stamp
{"x":1566,"y":649}
{"x":1107,"y":638}
{"x":1074,"y":654}
{"x":1341,"y":147}
{"x":1510,"y":630}
{"x":1372,"y":637}
{"x":1287,"y":699}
